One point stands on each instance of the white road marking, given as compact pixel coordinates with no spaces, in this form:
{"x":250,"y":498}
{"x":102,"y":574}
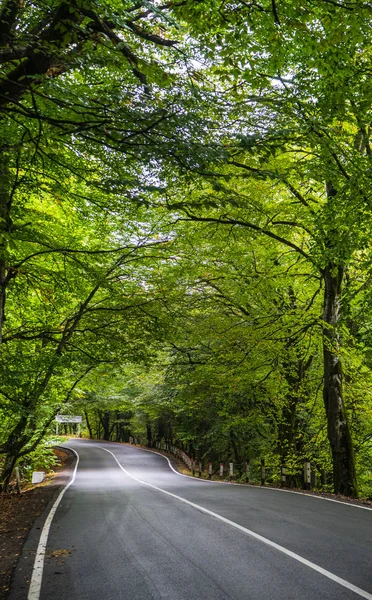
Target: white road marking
{"x":37,"y":573}
{"x":271,"y":489}
{"x":304,"y":561}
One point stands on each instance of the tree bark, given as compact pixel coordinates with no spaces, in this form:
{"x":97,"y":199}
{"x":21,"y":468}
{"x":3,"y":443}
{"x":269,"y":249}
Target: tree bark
{"x":88,"y":425}
{"x":238,"y":458}
{"x":149,"y":435}
{"x":7,"y":471}
{"x":12,"y":450}
{"x":5,"y":227}
{"x":105,"y":421}
{"x":339,"y":435}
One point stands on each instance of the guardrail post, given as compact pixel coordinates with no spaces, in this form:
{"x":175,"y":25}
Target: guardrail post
{"x":231,"y":470}
{"x":210,"y":469}
{"x":283,"y":478}
{"x":263,"y":471}
{"x":200,"y":468}
{"x":221,"y":469}
{"x":307,"y":476}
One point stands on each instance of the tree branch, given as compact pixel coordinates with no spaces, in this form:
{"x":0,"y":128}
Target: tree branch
{"x":252,"y":226}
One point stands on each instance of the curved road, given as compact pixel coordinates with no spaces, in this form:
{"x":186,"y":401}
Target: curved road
{"x":130,"y":528}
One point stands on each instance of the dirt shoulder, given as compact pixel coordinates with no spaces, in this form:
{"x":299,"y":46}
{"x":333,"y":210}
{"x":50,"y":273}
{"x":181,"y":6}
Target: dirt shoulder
{"x":18,"y":512}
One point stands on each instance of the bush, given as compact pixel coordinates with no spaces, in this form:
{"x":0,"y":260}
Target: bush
{"x":41,"y":459}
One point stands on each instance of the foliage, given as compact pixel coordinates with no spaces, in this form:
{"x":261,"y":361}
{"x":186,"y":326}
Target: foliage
{"x":41,"y":459}
{"x":185,"y":219}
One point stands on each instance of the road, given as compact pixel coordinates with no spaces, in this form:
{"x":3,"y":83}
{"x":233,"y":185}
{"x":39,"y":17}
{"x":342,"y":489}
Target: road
{"x":143,"y":532}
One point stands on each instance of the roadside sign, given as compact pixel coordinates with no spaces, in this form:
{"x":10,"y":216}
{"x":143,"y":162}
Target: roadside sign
{"x":68,"y":419}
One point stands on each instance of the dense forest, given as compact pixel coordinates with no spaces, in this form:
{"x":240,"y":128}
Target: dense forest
{"x":185,"y":229}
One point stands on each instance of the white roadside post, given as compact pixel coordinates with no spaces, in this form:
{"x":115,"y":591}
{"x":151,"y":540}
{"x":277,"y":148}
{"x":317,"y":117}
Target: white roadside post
{"x":307,"y":476}
{"x":210,"y":469}
{"x":221,"y":469}
{"x":38,"y":477}
{"x":283,"y":479}
{"x":231,"y":470}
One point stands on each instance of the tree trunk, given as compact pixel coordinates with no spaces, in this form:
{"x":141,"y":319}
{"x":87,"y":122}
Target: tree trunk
{"x":5,"y":228}
{"x":7,"y":471}
{"x":149,"y":435}
{"x":12,"y":448}
{"x":88,"y":425}
{"x":339,"y":435}
{"x":238,"y":458}
{"x":105,"y":421}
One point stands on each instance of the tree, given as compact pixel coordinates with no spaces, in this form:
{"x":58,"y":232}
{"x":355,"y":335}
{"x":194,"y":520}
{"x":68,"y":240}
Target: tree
{"x":240,"y":376}
{"x":301,"y":101}
{"x":65,"y":334}
{"x":104,"y":113}
{"x":86,"y":111}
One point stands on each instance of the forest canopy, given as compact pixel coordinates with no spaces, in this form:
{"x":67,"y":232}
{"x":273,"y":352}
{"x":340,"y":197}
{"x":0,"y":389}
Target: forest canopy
{"x":185,"y":229}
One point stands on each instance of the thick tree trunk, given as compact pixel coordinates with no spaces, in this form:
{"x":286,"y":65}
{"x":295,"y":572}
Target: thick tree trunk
{"x":7,"y":471}
{"x":11,"y":449}
{"x":105,"y":421}
{"x":338,"y":429}
{"x":237,"y":457}
{"x":5,"y":228}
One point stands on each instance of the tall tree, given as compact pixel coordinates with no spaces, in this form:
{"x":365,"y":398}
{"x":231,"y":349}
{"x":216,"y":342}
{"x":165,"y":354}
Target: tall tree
{"x":90,"y":106}
{"x":301,"y":95}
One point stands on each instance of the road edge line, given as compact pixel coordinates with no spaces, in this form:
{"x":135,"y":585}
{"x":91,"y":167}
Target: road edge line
{"x":37,"y":571}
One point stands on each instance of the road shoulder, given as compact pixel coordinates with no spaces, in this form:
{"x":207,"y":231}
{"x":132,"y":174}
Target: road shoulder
{"x":20,"y":526}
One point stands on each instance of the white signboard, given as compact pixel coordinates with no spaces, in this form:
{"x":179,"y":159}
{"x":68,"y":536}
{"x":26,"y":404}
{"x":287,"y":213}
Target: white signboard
{"x":68,"y":419}
{"x":38,"y":476}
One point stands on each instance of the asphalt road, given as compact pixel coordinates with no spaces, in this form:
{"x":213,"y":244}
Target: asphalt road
{"x":113,"y":537}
